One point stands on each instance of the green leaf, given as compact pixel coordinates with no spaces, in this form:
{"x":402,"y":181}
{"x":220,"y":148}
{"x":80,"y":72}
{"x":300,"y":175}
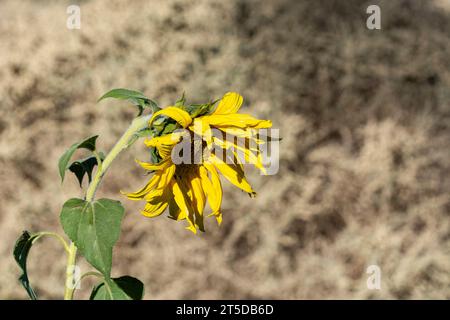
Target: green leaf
{"x":63,"y":163}
{"x":135,"y":97}
{"x":89,"y":143}
{"x":125,"y":94}
{"x":196,"y":110}
{"x":144,"y":133}
{"x":21,"y":250}
{"x":123,"y":288}
{"x":85,"y":166}
{"x":180,"y":102}
{"x":94,"y":227}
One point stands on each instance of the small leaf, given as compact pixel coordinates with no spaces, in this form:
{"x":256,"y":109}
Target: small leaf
{"x":180,"y":102}
{"x":123,"y":94}
{"x":21,"y":250}
{"x":89,"y":143}
{"x":153,"y":105}
{"x":169,"y":128}
{"x":63,"y":163}
{"x":85,"y":166}
{"x":94,"y":227}
{"x":123,"y":288}
{"x":196,"y":110}
{"x":135,"y":97}
{"x":144,"y":133}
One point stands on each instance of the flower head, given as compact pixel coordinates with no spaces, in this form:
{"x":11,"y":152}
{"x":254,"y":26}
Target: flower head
{"x":190,"y":147}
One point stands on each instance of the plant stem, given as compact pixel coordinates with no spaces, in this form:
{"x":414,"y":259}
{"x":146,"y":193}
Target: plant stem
{"x":124,"y":142}
{"x":138,"y":123}
{"x":55,"y":235}
{"x":69,"y":285}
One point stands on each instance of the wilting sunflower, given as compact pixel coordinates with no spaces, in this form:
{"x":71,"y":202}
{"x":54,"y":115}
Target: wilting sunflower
{"x":185,"y":187}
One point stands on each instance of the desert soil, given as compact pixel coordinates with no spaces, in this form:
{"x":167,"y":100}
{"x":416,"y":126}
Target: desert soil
{"x":364,"y":114}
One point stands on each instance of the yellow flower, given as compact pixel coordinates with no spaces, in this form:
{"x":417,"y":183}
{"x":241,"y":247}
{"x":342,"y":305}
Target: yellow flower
{"x":184,"y":188}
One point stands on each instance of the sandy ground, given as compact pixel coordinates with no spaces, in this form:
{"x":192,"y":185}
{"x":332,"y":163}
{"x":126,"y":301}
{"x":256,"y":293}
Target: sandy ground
{"x":365,"y":158}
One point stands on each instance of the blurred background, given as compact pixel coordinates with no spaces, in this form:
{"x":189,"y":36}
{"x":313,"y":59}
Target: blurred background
{"x":364,"y":114}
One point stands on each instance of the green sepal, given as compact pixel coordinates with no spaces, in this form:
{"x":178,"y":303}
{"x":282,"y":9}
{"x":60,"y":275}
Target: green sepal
{"x":144,"y":133}
{"x":123,"y":288}
{"x":163,"y":125}
{"x":197,"y":110}
{"x":154,"y":156}
{"x":181,"y":102}
{"x":21,"y":250}
{"x":94,"y":227}
{"x":63,"y":163}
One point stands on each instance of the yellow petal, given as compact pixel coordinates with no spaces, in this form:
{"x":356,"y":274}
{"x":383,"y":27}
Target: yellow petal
{"x":249,"y":156}
{"x":182,"y":117}
{"x":139,"y":195}
{"x":166,"y":176}
{"x":218,"y":217}
{"x":156,"y":207}
{"x":194,"y":218}
{"x":202,"y":129}
{"x":198,"y":199}
{"x":191,"y":228}
{"x":236,"y":120}
{"x":163,"y":184}
{"x":182,"y":200}
{"x":247,"y":133}
{"x":233,"y":173}
{"x":174,"y":210}
{"x":165,"y":144}
{"x":212,"y":187}
{"x":230,"y":103}
{"x":168,"y":140}
{"x":155,"y":167}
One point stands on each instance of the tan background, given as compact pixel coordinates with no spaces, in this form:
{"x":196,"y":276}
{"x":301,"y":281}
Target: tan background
{"x":365,"y":156}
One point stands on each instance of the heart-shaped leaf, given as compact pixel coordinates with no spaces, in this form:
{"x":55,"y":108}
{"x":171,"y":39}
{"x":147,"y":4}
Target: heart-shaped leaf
{"x":21,"y":250}
{"x":94,"y":227}
{"x":63,"y":163}
{"x":123,"y":288}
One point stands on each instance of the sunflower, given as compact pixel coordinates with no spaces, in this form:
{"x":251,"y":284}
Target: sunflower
{"x":185,"y":187}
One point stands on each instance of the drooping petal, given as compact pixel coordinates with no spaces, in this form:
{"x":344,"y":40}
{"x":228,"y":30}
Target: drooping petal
{"x":156,"y":206}
{"x":164,"y":144}
{"x":230,"y":103}
{"x":249,"y":156}
{"x":232,"y":172}
{"x":174,"y":210}
{"x":180,"y":116}
{"x":166,"y":176}
{"x":202,"y":129}
{"x":236,"y":120}
{"x":163,"y":183}
{"x":168,"y":139}
{"x":140,"y":194}
{"x":212,"y":188}
{"x":247,"y":133}
{"x":182,"y":200}
{"x":155,"y":167}
{"x":195,"y":221}
{"x":198,"y":199}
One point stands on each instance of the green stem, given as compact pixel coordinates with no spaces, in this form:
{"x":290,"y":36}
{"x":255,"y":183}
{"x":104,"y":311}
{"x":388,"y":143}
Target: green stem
{"x":71,"y":259}
{"x":91,"y":273}
{"x":55,"y":235}
{"x":124,"y":142}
